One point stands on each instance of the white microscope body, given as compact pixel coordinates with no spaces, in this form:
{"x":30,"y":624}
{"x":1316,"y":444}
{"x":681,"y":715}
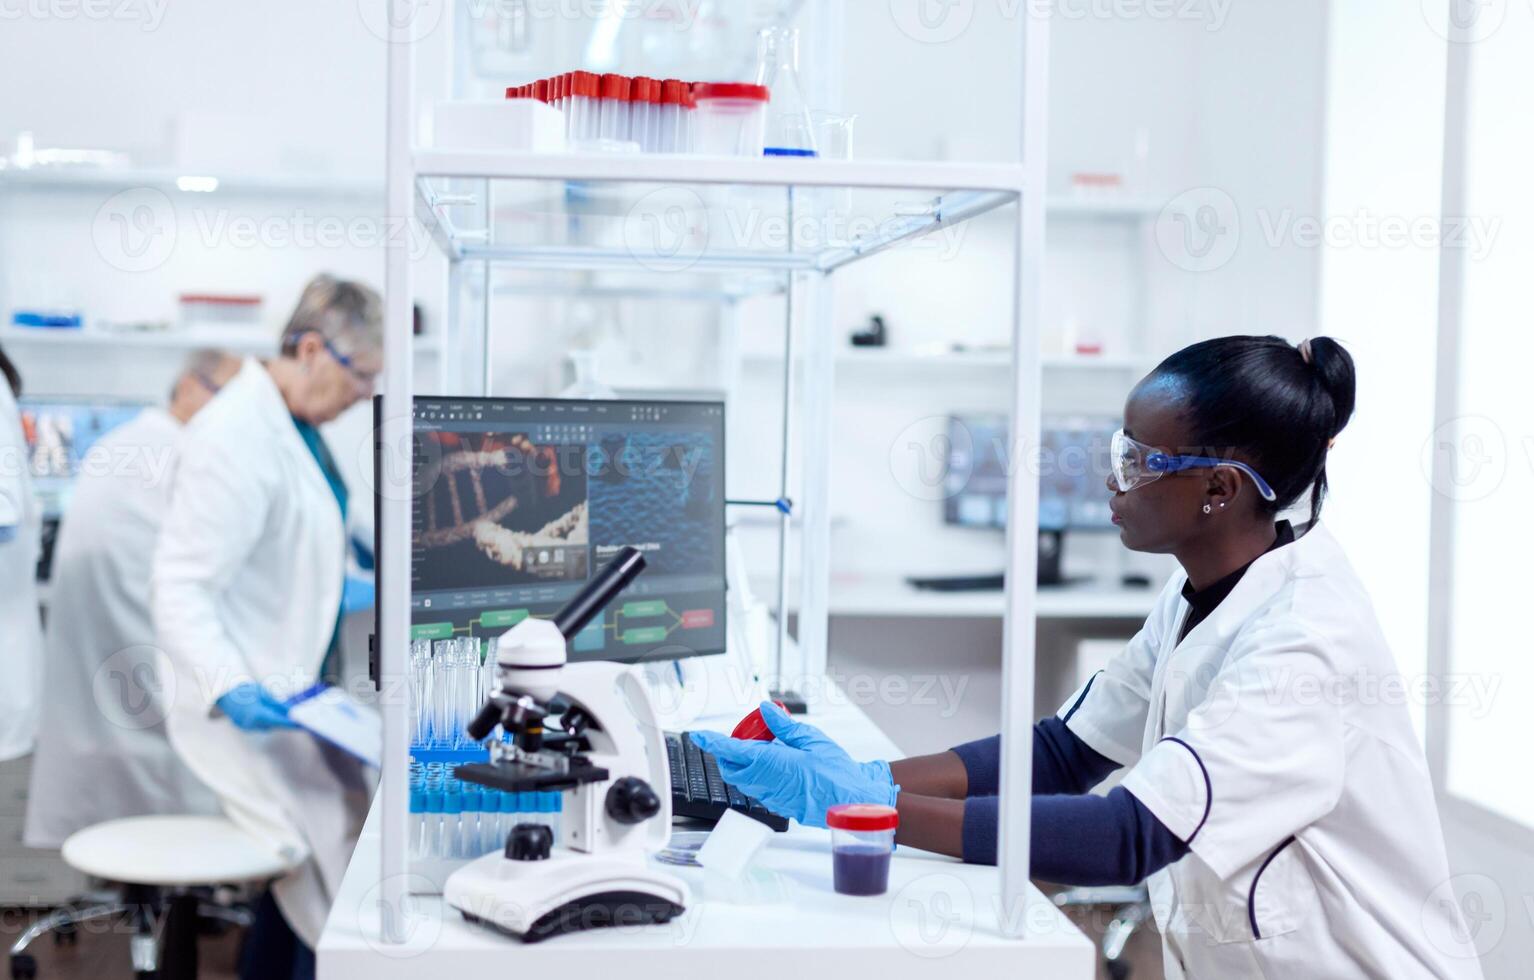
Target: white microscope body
{"x":609,"y":759}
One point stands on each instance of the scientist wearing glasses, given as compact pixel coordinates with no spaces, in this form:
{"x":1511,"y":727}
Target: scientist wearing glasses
{"x":247,"y":589}
{"x":1283,"y":819}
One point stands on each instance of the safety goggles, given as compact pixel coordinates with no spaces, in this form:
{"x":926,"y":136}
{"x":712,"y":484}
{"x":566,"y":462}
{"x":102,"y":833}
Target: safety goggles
{"x":1136,"y":464}
{"x":365,"y":378}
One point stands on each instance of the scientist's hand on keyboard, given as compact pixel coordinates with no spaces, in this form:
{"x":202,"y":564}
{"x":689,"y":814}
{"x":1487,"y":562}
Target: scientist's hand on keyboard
{"x":801,"y":773}
{"x":253,"y":708}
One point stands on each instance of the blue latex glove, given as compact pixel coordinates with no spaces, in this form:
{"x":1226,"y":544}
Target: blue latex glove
{"x":7,"y":533}
{"x":252,"y":708}
{"x":358,"y":594}
{"x":800,"y":774}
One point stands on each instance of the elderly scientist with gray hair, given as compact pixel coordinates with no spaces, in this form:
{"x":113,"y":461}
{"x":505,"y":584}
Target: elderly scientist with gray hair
{"x":247,"y":595}
{"x":101,"y":747}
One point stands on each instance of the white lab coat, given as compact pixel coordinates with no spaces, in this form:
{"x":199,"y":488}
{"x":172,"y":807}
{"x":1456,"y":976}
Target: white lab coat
{"x":1263,"y":740}
{"x":246,"y":586}
{"x":21,"y":658}
{"x":102,"y":751}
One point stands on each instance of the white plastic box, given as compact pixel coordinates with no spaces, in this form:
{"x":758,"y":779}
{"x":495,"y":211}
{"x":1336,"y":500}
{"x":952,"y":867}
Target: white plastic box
{"x":503,"y":124}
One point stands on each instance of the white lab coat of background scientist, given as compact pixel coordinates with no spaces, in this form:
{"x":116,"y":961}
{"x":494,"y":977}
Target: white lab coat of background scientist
{"x":247,"y":588}
{"x":102,"y":753}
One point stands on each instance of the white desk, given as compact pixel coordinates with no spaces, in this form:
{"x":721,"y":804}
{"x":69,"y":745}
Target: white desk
{"x":939,"y":915}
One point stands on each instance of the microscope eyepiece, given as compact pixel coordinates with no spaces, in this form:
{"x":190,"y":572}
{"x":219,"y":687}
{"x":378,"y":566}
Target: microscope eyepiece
{"x":604,"y":588}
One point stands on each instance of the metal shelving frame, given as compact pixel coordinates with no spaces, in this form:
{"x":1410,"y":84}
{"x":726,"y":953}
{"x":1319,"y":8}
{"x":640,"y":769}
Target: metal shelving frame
{"x":958,"y":192}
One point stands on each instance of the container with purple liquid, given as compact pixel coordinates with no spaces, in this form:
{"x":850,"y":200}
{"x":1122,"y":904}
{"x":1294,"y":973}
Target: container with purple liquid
{"x":862,"y":840}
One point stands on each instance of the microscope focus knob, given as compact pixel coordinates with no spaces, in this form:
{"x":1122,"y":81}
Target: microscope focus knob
{"x":529,"y":842}
{"x":631,"y":801}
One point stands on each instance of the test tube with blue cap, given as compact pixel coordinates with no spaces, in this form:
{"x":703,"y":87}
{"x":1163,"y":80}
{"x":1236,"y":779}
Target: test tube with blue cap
{"x":550,"y":805}
{"x":452,"y":819}
{"x":468,"y":830}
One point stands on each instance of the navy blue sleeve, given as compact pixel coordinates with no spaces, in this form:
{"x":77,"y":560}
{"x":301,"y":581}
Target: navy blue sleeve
{"x":1080,"y":840}
{"x":1062,"y":762}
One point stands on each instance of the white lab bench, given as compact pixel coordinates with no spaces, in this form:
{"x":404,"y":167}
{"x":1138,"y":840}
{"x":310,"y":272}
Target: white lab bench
{"x":782,"y":921}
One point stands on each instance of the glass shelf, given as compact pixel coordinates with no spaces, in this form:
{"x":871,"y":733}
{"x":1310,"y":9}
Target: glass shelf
{"x":717,"y":216}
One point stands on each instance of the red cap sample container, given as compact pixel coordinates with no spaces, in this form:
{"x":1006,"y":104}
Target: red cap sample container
{"x":862,"y":841}
{"x":731,"y":118}
{"x":673,"y":92}
{"x":645,"y":90}
{"x":541,"y":90}
{"x":731,"y":90}
{"x":616,"y":87}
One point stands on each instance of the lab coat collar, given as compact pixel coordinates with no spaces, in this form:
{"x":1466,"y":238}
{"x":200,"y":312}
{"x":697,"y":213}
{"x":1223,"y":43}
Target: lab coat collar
{"x":1314,"y":550}
{"x":1204,"y":601}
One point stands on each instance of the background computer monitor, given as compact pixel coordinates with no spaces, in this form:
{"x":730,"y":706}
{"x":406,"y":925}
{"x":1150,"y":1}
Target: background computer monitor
{"x":1072,"y":466}
{"x":518,"y":502}
{"x":59,"y":433}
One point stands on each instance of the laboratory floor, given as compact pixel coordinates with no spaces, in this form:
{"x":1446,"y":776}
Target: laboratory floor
{"x":101,"y":953}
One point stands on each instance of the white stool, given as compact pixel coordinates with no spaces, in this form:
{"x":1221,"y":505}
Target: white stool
{"x":158,"y":861}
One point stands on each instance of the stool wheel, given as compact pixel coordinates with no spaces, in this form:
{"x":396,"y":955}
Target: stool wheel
{"x":66,"y":935}
{"x":23,"y":967}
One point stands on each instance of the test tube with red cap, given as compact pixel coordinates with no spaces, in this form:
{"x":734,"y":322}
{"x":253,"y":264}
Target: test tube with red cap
{"x":644,"y":114}
{"x":541,"y":90}
{"x":687,"y":129}
{"x":557,"y":100}
{"x":669,"y":116}
{"x":616,"y":93}
{"x":587,"y":98}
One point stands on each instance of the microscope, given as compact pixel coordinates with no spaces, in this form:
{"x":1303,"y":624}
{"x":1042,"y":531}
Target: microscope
{"x":589,"y":730}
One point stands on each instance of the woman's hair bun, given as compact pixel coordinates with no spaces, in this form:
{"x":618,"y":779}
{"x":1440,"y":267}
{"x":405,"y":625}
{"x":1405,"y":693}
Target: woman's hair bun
{"x":1333,"y":366}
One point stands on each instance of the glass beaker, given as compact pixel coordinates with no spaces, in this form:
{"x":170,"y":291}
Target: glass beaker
{"x":790,"y":131}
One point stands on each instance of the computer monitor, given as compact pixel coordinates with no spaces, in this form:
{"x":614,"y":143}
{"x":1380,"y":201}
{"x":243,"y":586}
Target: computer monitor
{"x":518,"y":503}
{"x":60,"y":433}
{"x":1072,"y":463}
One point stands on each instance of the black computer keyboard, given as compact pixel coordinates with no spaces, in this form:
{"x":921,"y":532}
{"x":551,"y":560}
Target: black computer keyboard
{"x":698,"y":791}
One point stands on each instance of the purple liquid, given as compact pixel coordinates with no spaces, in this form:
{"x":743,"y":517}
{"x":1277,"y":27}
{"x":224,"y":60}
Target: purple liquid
{"x":861,"y":869}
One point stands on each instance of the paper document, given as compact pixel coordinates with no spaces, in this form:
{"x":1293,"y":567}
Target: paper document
{"x":328,"y":713}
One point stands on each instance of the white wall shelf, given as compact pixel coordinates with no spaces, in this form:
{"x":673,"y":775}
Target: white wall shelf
{"x":986,"y":361}
{"x":235,"y":341}
{"x":191,"y":183}
{"x":1105,"y":208}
